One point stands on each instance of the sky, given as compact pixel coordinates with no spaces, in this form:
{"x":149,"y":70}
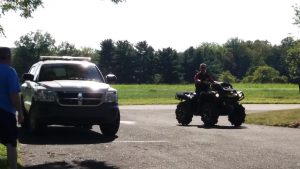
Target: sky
{"x":179,"y":24}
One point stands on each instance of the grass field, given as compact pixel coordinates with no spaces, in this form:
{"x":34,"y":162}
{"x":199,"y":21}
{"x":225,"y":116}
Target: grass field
{"x":165,"y":94}
{"x":283,"y":118}
{"x":3,"y":164}
{"x":3,"y":158}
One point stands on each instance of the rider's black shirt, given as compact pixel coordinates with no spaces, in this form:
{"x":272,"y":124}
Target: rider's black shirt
{"x":204,"y":77}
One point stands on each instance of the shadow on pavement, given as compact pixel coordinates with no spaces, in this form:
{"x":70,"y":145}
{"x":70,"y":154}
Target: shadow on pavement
{"x":64,"y":135}
{"x":87,"y":164}
{"x":215,"y":127}
{"x":222,"y":127}
{"x":3,"y":163}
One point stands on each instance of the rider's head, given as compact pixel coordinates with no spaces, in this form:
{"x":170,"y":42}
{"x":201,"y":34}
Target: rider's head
{"x":202,"y":67}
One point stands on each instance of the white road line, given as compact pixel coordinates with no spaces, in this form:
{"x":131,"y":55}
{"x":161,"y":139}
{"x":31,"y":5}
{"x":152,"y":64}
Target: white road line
{"x":160,"y":141}
{"x":128,"y":122}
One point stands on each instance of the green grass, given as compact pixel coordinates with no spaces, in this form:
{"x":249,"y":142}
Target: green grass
{"x":3,"y":161}
{"x":283,"y":118}
{"x":3,"y":158}
{"x":165,"y":94}
{"x":270,"y":93}
{"x":149,"y":94}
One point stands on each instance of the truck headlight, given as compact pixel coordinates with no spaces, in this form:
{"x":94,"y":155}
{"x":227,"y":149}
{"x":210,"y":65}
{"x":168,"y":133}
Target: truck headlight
{"x":45,"y":95}
{"x":111,"y":96}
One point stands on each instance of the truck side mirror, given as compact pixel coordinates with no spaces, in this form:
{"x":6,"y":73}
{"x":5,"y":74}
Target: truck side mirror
{"x":111,"y":78}
{"x":27,"y":76}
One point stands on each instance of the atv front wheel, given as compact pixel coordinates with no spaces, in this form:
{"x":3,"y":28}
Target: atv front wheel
{"x":183,"y":114}
{"x":209,"y":114}
{"x":237,"y":116}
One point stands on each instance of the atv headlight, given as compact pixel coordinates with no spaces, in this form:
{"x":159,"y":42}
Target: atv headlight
{"x":45,"y":95}
{"x":111,"y":96}
{"x":241,"y":95}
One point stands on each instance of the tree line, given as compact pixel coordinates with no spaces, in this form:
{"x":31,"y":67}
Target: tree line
{"x":234,"y":61}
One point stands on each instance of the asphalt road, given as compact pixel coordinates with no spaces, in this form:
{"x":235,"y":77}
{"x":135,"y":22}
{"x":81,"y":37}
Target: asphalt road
{"x":149,"y":138}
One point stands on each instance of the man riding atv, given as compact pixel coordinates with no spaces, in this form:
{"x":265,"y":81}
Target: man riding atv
{"x":202,"y":79}
{"x":211,"y":100}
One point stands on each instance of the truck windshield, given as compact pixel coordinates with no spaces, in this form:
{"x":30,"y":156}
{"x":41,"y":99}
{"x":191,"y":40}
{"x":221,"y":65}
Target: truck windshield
{"x":51,"y":72}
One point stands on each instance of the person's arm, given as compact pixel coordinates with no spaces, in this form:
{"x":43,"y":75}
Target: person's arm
{"x":211,"y":80}
{"x":14,"y":90}
{"x":16,"y":101}
{"x":197,"y":79}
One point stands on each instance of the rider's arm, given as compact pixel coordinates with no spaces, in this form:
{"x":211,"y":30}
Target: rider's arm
{"x":211,"y":80}
{"x":197,"y":78}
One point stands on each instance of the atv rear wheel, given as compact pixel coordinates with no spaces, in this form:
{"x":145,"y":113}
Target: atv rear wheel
{"x":237,"y":116}
{"x":183,"y":114}
{"x":209,"y":114}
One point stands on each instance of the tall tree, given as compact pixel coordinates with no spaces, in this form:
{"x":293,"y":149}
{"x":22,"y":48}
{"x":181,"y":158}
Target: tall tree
{"x":146,"y":62}
{"x":211,"y":54}
{"x":67,"y":49}
{"x":30,"y":47}
{"x":125,"y":67}
{"x":26,"y":7}
{"x":258,"y":52}
{"x":169,"y":66}
{"x":190,"y":63}
{"x":277,"y":59}
{"x":293,"y":60}
{"x":297,"y":14}
{"x":90,"y":52}
{"x":107,"y":58}
{"x":292,"y":54}
{"x":237,"y":51}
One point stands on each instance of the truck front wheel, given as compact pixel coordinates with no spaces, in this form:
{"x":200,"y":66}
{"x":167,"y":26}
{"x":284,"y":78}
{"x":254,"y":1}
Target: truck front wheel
{"x":111,"y":129}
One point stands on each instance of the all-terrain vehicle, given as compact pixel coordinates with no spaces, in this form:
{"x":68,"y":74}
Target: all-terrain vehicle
{"x":220,"y":100}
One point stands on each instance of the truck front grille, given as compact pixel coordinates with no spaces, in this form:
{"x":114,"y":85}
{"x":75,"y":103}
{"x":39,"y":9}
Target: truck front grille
{"x":80,"y":99}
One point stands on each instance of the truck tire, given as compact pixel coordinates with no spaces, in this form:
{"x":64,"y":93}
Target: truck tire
{"x":35,"y":127}
{"x":111,"y":129}
{"x":25,"y":123}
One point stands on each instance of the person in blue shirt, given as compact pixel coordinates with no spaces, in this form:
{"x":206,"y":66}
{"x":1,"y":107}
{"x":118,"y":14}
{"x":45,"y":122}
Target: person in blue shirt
{"x":9,"y":103}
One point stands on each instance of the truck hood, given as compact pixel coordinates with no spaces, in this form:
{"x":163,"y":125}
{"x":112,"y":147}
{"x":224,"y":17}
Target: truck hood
{"x":75,"y":85}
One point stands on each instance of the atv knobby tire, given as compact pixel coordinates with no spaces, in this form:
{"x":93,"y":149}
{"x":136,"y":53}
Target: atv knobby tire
{"x":209,"y":115}
{"x":237,"y":116}
{"x":183,"y":113}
